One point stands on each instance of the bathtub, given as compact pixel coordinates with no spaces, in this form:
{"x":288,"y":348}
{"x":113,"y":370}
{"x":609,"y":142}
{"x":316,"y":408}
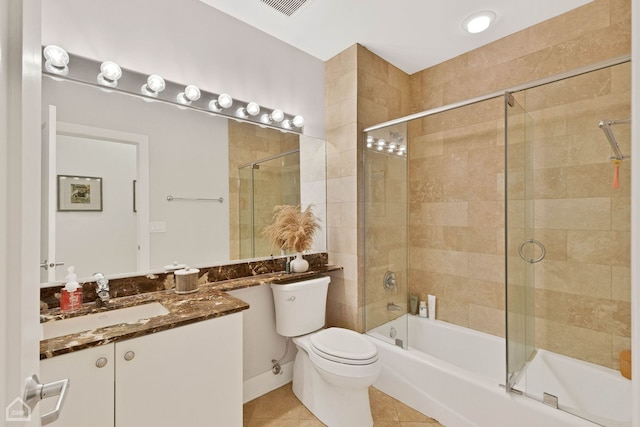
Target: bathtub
{"x":454,"y":374}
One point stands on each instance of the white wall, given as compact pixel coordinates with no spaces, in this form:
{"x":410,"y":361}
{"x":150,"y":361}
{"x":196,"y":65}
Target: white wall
{"x":261,"y":343}
{"x":189,"y":42}
{"x":188,"y":152}
{"x":107,"y":240}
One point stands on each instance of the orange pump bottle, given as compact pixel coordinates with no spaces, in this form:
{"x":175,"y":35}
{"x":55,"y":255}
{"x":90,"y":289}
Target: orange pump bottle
{"x":71,"y":296}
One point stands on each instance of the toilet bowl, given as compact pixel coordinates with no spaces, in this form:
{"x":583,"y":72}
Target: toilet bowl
{"x":332,"y":374}
{"x":334,"y":367}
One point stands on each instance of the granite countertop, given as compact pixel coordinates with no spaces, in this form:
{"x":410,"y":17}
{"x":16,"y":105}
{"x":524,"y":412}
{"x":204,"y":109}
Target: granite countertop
{"x":210,"y":301}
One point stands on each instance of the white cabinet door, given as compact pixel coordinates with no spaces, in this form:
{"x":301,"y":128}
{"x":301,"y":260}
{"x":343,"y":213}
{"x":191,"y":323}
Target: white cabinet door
{"x":187,"y":376}
{"x":90,"y":397}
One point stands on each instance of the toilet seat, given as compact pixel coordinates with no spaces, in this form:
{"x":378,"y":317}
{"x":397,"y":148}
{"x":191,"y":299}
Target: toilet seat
{"x":343,"y":346}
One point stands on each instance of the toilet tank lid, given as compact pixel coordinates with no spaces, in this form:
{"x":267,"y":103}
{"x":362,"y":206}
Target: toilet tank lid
{"x":294,"y":286}
{"x":344,"y":343}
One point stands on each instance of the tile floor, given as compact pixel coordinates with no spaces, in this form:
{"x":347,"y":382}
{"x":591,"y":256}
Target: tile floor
{"x":281,"y":408}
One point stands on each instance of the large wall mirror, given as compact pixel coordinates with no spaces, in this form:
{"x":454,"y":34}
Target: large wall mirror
{"x":111,"y":161}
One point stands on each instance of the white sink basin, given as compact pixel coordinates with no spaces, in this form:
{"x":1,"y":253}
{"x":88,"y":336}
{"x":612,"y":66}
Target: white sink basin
{"x":58,"y":328}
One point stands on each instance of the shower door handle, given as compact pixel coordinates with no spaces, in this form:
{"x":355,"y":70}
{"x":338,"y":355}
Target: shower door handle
{"x":543,"y":251}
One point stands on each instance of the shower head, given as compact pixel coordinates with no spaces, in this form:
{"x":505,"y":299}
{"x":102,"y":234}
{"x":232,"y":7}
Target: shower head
{"x":605,"y":125}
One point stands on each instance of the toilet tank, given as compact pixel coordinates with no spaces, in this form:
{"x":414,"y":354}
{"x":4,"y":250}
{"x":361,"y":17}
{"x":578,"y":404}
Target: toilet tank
{"x":300,"y":306}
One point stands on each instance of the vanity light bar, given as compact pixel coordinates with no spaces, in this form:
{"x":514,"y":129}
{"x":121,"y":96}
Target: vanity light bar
{"x":60,"y":65}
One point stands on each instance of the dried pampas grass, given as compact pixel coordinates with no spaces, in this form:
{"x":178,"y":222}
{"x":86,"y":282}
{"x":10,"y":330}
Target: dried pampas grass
{"x":292,"y":229}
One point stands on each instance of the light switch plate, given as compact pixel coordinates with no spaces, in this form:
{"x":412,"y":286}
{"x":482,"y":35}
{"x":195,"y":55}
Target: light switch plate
{"x":158,"y":227}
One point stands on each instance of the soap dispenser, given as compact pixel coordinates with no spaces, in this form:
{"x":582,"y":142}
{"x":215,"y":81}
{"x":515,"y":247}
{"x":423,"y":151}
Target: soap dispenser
{"x":71,"y":297}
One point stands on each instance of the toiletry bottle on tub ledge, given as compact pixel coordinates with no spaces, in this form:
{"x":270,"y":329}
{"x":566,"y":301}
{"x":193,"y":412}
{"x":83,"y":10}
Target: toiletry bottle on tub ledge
{"x":431,"y":300}
{"x":423,"y":309}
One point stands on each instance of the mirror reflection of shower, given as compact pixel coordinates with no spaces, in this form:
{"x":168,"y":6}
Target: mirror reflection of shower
{"x":264,"y":184}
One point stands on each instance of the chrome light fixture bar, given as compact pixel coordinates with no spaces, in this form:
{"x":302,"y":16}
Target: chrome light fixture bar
{"x":108,"y":75}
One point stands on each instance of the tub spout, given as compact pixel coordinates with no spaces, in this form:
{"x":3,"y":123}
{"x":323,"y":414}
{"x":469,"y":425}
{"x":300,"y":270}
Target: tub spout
{"x":393,"y":307}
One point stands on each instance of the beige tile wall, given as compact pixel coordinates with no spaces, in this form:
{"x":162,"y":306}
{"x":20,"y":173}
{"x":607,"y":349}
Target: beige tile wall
{"x":456,"y":178}
{"x":456,"y":195}
{"x":361,"y":90}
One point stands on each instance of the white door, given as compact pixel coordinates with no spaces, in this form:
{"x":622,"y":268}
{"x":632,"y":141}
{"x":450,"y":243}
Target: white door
{"x":20,"y":120}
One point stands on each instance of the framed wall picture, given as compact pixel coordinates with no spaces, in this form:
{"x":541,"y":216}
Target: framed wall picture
{"x":79,"y":193}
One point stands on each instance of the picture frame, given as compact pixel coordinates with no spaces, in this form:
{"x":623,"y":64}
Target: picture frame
{"x":79,"y":193}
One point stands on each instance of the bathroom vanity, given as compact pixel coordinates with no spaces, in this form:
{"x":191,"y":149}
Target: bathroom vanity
{"x":179,"y":366}
{"x":180,"y":376}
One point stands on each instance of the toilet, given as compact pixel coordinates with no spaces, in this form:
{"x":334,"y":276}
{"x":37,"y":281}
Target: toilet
{"x":334,"y":367}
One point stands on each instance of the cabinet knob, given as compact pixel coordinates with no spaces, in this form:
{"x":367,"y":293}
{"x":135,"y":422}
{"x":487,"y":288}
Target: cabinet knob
{"x":101,"y":362}
{"x":129,"y":355}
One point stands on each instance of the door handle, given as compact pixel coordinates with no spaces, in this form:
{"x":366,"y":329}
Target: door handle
{"x":543,"y":251}
{"x":35,"y":392}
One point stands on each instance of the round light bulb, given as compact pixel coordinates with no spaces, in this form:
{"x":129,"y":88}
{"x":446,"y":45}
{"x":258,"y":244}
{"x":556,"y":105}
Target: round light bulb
{"x":298,"y":121}
{"x":277,"y":116}
{"x":369,"y":144}
{"x":110,"y":70}
{"x":56,"y":56}
{"x":381,"y":142}
{"x":265,"y":118}
{"x":192,"y":93}
{"x":253,"y":109}
{"x":370,"y":139}
{"x":155,"y":84}
{"x":225,"y":100}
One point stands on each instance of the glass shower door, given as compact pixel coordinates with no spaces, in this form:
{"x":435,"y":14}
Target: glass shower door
{"x":386,"y":274}
{"x":522,"y":250}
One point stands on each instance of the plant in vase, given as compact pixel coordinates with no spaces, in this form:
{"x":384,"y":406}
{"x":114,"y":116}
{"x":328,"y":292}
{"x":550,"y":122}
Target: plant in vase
{"x":292,"y":230}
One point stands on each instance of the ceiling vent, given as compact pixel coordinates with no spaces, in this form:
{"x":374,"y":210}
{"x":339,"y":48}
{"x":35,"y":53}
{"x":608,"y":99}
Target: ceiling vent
{"x":286,"y":7}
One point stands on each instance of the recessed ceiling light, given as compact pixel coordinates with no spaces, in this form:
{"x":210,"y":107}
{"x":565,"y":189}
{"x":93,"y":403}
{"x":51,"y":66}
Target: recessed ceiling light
{"x":478,"y":22}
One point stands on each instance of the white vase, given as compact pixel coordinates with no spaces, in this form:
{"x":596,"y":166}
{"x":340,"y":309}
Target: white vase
{"x":299,"y":264}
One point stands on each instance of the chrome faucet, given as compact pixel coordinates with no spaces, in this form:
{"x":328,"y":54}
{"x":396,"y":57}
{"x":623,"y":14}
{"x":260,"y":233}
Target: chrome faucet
{"x":102,"y":288}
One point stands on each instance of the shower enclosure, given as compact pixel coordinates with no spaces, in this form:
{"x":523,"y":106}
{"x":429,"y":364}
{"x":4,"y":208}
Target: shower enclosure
{"x":263,"y":184}
{"x":514,"y":211}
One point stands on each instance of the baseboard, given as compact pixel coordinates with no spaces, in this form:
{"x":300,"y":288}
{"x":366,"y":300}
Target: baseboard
{"x":265,"y":382}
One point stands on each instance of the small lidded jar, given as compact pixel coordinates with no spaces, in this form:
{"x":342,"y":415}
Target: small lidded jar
{"x":186,"y":280}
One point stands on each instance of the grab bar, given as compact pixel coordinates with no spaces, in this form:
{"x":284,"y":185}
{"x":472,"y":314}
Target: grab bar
{"x":170,"y":198}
